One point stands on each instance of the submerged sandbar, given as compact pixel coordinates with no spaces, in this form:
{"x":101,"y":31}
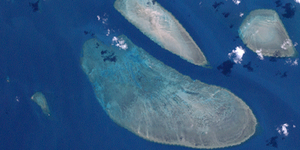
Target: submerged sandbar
{"x":40,"y":99}
{"x":263,"y":32}
{"x":162,"y":28}
{"x":159,"y":104}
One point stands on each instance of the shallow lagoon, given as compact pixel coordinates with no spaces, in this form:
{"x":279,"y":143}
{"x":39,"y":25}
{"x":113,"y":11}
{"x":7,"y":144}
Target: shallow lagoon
{"x":40,"y":51}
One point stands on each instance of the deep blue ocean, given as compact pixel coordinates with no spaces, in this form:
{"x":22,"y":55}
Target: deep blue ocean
{"x":40,"y":50}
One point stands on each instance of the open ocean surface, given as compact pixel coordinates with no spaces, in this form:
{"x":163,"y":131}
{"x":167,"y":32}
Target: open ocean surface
{"x":40,"y":51}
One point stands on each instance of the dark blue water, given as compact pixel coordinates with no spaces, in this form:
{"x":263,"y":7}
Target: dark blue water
{"x":40,"y":50}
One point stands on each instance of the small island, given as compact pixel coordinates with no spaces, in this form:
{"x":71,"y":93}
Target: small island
{"x":40,"y":99}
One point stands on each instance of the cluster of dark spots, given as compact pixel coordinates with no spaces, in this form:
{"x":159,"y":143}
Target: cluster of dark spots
{"x":237,"y":37}
{"x":248,"y":66}
{"x":216,"y":5}
{"x":225,"y":14}
{"x":273,"y":59}
{"x":35,"y":6}
{"x":272,"y":142}
{"x":97,"y":45}
{"x":282,"y":75}
{"x":103,"y":52}
{"x":153,"y":2}
{"x":275,"y":56}
{"x":226,"y":67}
{"x":289,"y":10}
{"x":278,"y":3}
{"x":89,"y":32}
{"x":108,"y":56}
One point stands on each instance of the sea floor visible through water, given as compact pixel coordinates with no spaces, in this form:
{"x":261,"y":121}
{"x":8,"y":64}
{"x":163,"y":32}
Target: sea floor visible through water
{"x":41,"y":46}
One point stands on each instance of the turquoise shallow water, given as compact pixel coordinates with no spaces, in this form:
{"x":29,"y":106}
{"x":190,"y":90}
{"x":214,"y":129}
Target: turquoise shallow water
{"x":40,"y":51}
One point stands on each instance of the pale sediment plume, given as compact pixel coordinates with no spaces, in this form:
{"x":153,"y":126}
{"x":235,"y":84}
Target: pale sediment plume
{"x":159,"y":104}
{"x":161,"y":27}
{"x":262,"y":31}
{"x":40,"y":99}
